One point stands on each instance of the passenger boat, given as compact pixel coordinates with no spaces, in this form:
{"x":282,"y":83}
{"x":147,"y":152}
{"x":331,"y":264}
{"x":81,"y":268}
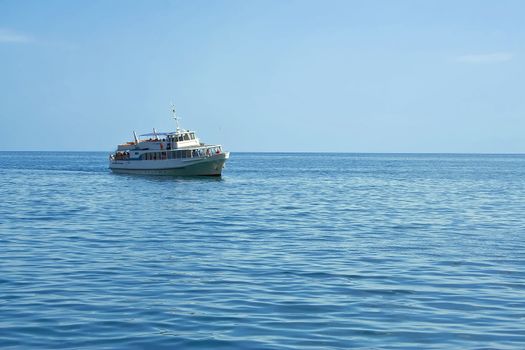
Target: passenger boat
{"x":177,"y":153}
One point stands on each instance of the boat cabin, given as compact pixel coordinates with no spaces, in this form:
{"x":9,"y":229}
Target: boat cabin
{"x":162,"y":141}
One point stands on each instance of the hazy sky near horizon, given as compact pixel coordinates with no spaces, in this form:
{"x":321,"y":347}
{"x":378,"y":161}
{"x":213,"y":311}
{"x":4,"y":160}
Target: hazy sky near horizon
{"x":272,"y":75}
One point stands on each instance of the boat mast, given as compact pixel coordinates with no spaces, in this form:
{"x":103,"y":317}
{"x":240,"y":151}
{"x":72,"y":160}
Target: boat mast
{"x":175,"y":117}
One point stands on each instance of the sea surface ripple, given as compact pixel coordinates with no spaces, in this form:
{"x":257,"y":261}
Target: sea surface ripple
{"x":285,"y":251}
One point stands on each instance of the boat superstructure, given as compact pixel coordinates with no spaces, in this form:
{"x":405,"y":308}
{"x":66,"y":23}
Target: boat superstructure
{"x":168,"y":153}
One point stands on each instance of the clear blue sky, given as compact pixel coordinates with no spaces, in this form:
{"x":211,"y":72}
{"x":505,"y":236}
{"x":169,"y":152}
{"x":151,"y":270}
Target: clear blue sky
{"x":345,"y":76}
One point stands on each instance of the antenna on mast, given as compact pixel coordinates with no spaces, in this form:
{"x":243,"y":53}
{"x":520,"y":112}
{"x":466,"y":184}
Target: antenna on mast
{"x":175,"y":116}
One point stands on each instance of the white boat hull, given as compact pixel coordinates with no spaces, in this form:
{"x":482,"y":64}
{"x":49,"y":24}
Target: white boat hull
{"x":206,"y":166}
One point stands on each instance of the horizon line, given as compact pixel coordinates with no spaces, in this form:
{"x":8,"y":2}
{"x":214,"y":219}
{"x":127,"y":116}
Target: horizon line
{"x":290,"y":152}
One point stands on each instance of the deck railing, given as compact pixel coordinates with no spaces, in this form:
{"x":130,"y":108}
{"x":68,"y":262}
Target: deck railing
{"x":197,"y":152}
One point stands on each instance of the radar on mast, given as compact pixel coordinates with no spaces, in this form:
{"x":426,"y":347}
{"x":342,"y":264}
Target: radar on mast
{"x":175,"y":117}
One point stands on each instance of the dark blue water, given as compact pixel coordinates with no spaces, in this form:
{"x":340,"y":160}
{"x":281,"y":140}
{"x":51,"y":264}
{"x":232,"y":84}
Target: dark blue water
{"x":286,"y":251}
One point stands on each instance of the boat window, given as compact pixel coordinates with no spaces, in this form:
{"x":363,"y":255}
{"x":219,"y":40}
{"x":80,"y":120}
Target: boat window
{"x":186,"y":137}
{"x":192,"y":136}
{"x":181,"y":138}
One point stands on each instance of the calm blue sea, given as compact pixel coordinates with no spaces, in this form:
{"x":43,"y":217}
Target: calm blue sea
{"x":285,"y":251}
